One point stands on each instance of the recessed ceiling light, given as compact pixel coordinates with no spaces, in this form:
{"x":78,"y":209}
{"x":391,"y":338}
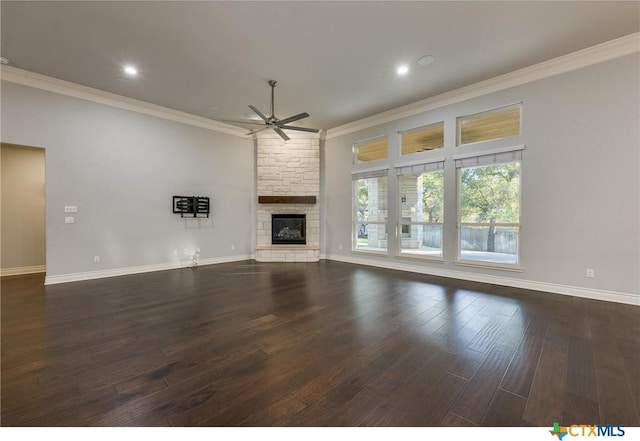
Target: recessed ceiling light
{"x":4,"y":60}
{"x":130,"y":70}
{"x":426,"y":60}
{"x":402,"y":70}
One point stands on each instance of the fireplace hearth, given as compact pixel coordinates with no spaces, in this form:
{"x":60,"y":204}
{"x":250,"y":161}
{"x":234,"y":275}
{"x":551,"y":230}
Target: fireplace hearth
{"x":288,"y":229}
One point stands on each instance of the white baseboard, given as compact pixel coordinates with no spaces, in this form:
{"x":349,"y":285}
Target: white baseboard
{"x":23,"y":270}
{"x":610,"y":296}
{"x":89,"y":275}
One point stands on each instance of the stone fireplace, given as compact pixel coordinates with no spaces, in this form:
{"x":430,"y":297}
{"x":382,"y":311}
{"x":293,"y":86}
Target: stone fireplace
{"x":288,"y":187}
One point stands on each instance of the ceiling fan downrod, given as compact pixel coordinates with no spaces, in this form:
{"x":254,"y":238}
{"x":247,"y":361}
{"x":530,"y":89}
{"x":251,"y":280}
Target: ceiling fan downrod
{"x":273,"y":85}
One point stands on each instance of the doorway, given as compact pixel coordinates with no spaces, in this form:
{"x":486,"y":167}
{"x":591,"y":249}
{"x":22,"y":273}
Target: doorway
{"x":22,"y":210}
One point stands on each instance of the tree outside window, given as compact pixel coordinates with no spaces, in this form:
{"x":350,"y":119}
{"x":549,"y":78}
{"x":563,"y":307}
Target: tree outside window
{"x":489,"y":203}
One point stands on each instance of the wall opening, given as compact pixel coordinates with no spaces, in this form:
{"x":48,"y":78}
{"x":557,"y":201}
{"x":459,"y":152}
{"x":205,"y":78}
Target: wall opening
{"x":23,"y":210}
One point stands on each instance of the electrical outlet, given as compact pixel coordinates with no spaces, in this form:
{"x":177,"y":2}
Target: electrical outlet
{"x":185,"y":252}
{"x":233,"y":247}
{"x":175,"y":252}
{"x":340,"y":246}
{"x":590,"y":272}
{"x":96,"y":259}
{"x":69,"y":220}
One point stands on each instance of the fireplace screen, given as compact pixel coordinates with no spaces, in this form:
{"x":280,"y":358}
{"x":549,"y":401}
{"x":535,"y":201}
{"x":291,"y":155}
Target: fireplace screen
{"x":288,"y":229}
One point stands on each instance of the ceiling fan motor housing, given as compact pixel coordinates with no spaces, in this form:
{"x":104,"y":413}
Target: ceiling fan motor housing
{"x":277,"y":124}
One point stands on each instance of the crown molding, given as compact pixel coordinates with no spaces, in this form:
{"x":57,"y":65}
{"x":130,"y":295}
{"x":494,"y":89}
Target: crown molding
{"x":576,"y":60}
{"x":61,"y":87}
{"x":603,"y":52}
{"x":294,"y":135}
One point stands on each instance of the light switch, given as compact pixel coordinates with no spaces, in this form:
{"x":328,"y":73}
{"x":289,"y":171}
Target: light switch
{"x":70,"y":209}
{"x":69,"y":220}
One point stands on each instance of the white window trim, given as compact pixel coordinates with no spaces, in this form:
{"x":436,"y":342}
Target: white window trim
{"x":355,"y":174}
{"x":420,"y":162}
{"x":489,"y":152}
{"x":497,"y":266}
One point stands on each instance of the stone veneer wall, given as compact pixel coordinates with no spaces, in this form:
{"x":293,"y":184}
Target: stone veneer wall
{"x":290,"y":168}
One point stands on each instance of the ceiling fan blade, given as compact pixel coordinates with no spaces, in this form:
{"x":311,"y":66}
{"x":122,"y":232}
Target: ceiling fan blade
{"x":238,"y":121}
{"x":253,"y":132}
{"x":292,"y":118}
{"x":304,"y":129}
{"x":259,"y":113}
{"x":281,"y":133}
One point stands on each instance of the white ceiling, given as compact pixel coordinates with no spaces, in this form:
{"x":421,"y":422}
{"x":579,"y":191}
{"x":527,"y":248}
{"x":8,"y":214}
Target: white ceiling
{"x":334,"y":60}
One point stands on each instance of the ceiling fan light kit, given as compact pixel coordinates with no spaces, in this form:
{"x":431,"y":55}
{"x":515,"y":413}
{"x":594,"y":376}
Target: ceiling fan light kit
{"x":274,"y":123}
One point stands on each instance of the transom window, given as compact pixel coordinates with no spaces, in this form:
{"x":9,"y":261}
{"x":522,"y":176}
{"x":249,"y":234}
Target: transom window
{"x":492,"y":124}
{"x":371,"y":150}
{"x":423,"y":139}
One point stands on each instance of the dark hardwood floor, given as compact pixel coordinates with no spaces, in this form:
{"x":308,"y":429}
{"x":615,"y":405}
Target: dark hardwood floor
{"x":326,"y":344}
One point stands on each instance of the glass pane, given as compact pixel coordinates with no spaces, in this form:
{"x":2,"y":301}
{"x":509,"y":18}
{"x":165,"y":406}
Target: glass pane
{"x":423,"y":139}
{"x":372,"y":150}
{"x":494,"y":124}
{"x":371,"y":199}
{"x":489,"y":244}
{"x":490,"y":194}
{"x":422,"y":197}
{"x":371,"y":236}
{"x":423,"y":240}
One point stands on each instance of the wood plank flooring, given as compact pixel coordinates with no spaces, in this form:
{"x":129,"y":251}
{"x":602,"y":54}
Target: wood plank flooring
{"x":311,"y":344}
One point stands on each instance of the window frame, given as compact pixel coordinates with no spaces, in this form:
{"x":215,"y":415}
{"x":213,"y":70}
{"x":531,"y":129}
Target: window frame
{"x":400,"y":223}
{"x":518,"y":150}
{"x":356,"y":176}
{"x":356,"y":144}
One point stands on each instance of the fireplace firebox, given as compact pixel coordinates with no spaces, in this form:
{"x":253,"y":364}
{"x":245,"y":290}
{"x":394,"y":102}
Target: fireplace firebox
{"x":288,"y":229}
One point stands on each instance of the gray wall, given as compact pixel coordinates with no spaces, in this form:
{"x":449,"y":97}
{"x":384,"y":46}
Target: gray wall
{"x":23,"y":208}
{"x":120,"y":169}
{"x":580,"y":179}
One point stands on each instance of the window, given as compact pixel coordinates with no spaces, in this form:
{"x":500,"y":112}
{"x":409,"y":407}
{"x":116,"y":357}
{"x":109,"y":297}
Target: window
{"x":371,"y":150}
{"x":492,"y":124}
{"x":370,"y":211}
{"x":421,"y":195}
{"x":489,"y":207}
{"x":423,"y":139}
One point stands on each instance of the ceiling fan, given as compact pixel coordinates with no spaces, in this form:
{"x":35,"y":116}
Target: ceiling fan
{"x":274,"y":123}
